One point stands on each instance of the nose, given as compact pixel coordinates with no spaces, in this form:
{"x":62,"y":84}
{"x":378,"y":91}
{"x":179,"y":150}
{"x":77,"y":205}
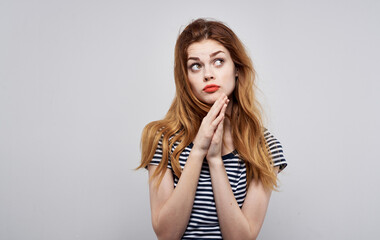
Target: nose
{"x":208,"y":75}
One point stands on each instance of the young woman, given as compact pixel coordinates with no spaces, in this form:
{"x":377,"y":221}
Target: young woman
{"x":212,"y":164}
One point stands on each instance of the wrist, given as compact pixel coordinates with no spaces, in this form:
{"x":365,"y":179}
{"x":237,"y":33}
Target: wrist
{"x":195,"y":151}
{"x":215,"y":162}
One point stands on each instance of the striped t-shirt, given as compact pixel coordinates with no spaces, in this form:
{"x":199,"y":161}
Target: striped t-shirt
{"x":203,"y":223}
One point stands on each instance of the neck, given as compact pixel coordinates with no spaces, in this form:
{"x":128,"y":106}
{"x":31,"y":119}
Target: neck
{"x":229,"y":107}
{"x":227,"y":125}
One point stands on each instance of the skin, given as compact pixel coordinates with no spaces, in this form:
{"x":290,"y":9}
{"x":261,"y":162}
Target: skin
{"x":218,"y":69}
{"x":171,"y":207}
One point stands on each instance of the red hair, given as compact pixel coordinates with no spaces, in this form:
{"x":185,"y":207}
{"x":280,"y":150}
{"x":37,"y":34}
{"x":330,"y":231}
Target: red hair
{"x":186,"y":112}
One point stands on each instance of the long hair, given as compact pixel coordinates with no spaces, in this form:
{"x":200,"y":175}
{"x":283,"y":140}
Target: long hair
{"x":184,"y":117}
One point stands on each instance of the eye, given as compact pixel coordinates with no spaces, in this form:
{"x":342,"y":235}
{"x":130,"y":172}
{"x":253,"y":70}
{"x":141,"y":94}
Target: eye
{"x":195,"y":66}
{"x":220,"y":61}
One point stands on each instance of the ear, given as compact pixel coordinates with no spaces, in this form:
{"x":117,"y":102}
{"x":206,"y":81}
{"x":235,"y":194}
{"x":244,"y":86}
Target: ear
{"x":236,"y":71}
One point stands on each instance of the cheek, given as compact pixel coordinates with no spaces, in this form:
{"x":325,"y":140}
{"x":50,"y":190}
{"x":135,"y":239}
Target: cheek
{"x":194,"y":83}
{"x":229,"y":77}
{"x":230,"y":82}
{"x":191,"y":83}
{"x":193,"y":86}
{"x":231,"y":86}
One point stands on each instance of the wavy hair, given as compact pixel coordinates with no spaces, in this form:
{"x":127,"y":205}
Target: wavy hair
{"x":184,"y":117}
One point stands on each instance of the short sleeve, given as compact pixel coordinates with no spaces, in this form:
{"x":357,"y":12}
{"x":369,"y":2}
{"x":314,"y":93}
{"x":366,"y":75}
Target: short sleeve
{"x":157,"y":157}
{"x":276,"y":151}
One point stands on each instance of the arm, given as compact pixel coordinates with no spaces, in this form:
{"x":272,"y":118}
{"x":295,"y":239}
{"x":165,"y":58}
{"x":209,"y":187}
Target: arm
{"x":171,"y":207}
{"x":236,"y":223}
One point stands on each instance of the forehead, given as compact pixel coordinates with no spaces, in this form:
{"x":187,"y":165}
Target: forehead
{"x":205,"y":48}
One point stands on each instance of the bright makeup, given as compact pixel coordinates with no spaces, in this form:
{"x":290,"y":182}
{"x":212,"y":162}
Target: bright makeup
{"x":211,"y":88}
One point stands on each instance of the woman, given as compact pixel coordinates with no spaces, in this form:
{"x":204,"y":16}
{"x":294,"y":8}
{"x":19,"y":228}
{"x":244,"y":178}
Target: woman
{"x":212,"y":164}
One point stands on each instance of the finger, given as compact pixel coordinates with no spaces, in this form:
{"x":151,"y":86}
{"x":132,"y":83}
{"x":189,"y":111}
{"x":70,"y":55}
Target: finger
{"x":215,"y":123}
{"x":218,"y":105}
{"x":218,"y":133}
{"x":219,"y":130}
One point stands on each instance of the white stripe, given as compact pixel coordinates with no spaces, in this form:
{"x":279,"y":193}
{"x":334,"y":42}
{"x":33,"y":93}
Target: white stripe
{"x":204,"y":216}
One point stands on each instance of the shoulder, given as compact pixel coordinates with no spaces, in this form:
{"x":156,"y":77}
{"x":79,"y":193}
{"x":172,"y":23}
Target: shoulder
{"x":270,"y":139}
{"x":275,"y":149}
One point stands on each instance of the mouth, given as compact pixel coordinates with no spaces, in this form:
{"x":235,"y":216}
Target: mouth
{"x":211,"y":88}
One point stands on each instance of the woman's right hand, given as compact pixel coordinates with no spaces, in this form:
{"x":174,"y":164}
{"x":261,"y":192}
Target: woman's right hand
{"x":209,"y":124}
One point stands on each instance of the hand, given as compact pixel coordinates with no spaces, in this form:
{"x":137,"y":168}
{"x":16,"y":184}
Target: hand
{"x":214,"y":153}
{"x":210,"y":123}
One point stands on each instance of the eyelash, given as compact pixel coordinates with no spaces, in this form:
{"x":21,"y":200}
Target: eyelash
{"x":218,"y":59}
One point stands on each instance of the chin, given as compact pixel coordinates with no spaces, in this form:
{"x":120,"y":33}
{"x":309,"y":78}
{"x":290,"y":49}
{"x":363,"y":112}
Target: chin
{"x":209,"y":100}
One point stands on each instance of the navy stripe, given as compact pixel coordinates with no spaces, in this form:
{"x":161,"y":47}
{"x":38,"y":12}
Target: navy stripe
{"x":203,"y":222}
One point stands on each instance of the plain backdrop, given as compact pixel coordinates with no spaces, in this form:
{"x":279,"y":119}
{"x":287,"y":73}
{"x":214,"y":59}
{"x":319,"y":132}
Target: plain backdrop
{"x":80,"y":79}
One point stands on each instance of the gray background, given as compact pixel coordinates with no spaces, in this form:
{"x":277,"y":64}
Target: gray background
{"x":80,"y":79}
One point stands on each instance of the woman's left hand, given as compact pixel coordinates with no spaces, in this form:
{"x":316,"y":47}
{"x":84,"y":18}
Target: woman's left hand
{"x":214,"y":153}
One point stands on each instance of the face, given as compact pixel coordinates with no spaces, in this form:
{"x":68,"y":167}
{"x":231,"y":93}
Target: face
{"x":211,"y":70}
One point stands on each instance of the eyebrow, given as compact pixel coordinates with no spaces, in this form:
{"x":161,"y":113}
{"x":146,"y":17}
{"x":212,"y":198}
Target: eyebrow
{"x":211,"y":55}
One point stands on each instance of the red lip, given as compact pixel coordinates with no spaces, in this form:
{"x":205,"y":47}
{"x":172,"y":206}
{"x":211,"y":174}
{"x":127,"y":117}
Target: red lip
{"x":211,"y":88}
